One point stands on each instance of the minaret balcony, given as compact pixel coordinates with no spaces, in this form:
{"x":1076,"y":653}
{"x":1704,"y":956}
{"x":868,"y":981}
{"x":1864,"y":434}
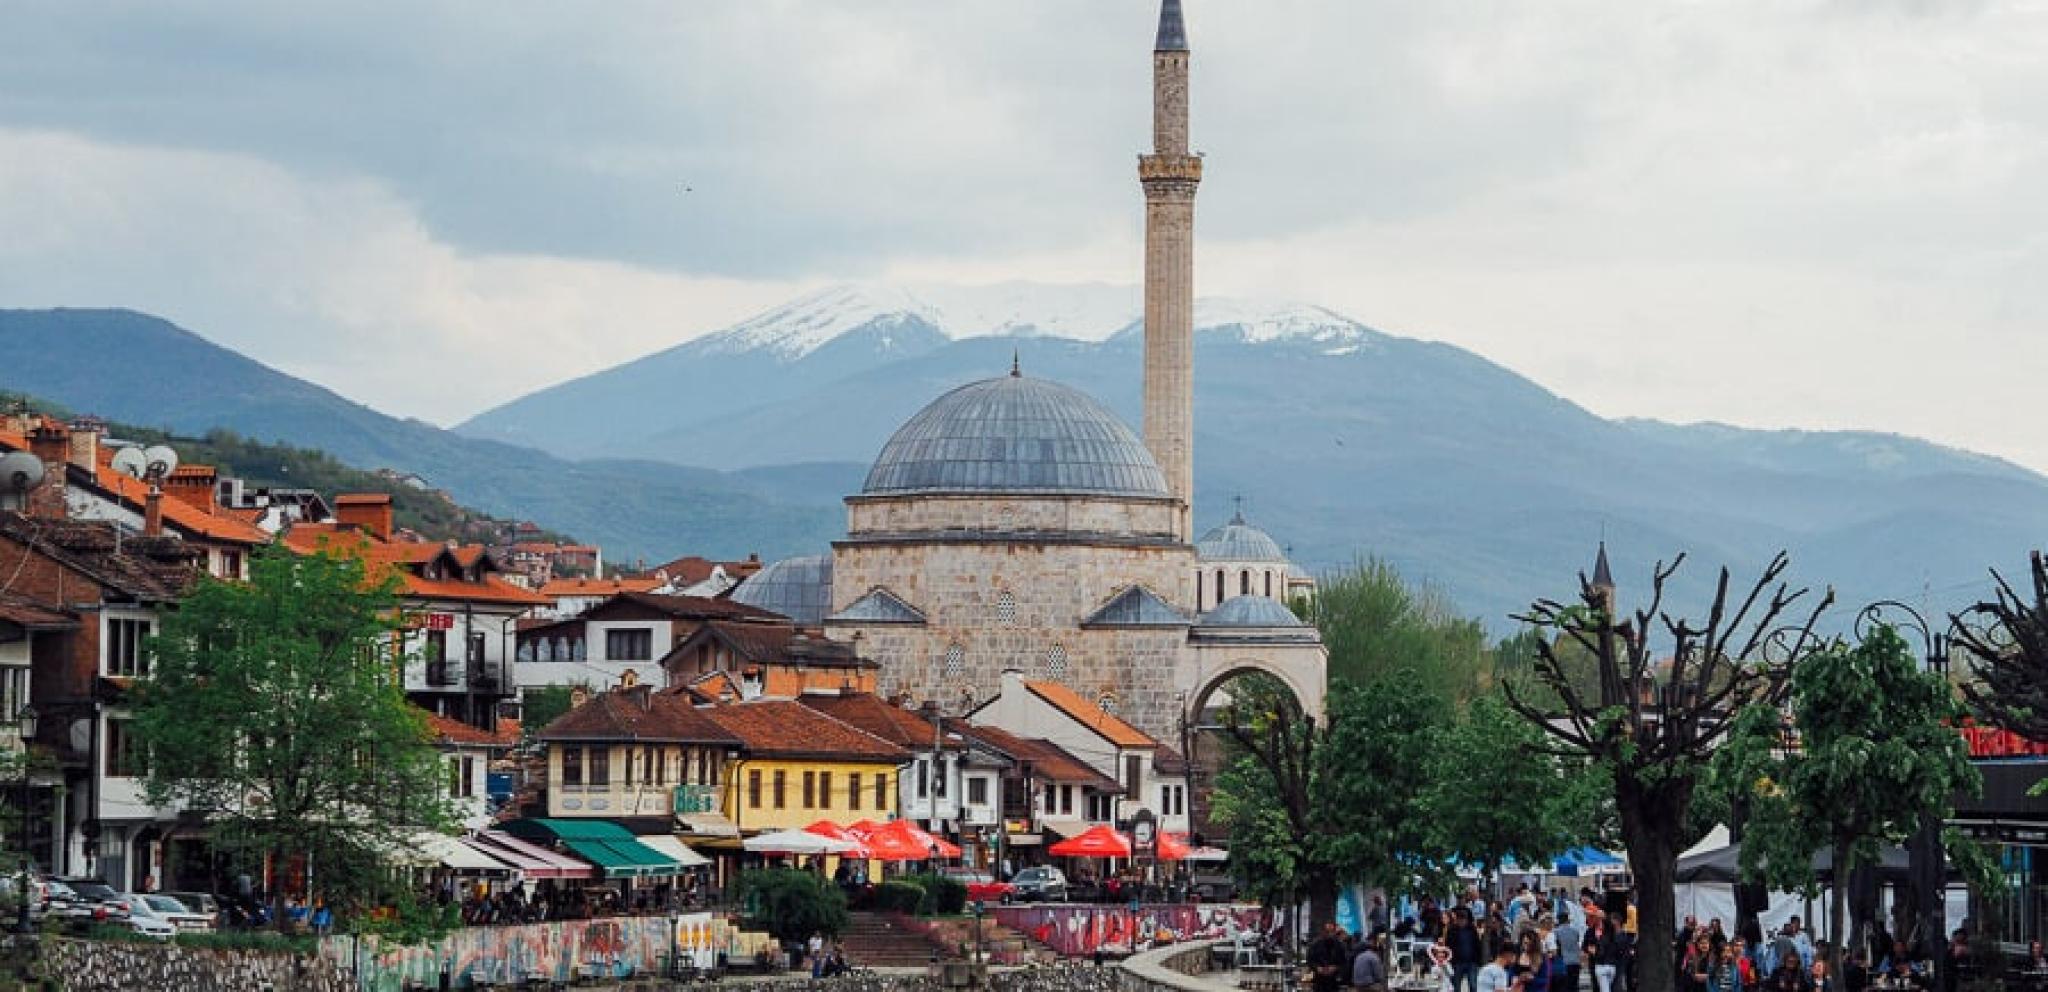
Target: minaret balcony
{"x":1170,"y":168}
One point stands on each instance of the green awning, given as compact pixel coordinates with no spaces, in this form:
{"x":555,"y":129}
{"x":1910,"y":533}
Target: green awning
{"x":603,"y":843}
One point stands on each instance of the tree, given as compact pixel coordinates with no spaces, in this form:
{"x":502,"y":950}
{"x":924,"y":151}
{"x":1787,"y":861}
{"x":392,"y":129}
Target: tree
{"x":1876,"y":749}
{"x":1498,"y":795}
{"x":1654,"y":734}
{"x":1376,"y":626}
{"x":1310,"y":805}
{"x":791,"y":904}
{"x":2007,"y":637}
{"x":275,"y":707}
{"x":540,"y":705}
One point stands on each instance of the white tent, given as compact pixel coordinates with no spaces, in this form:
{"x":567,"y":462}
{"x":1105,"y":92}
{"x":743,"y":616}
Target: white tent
{"x":1710,"y":899}
{"x":796,"y":842}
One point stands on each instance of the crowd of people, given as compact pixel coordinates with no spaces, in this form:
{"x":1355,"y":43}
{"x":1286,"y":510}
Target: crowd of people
{"x":1552,"y":942}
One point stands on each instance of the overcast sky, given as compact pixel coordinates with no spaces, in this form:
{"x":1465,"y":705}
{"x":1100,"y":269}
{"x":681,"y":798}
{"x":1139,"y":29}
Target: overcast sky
{"x":1821,"y":213}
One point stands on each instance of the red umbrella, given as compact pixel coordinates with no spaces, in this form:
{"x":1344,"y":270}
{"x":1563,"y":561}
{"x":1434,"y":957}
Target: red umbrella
{"x":1173,"y":847}
{"x":1095,"y":842}
{"x":884,"y":844}
{"x":826,"y":828}
{"x":924,"y":840}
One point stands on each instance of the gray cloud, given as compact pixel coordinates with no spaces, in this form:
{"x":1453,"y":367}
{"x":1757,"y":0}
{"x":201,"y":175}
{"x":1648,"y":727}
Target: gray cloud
{"x":1819,"y":212}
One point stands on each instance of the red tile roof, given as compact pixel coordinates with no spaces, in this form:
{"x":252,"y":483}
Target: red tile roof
{"x":638,"y":714}
{"x":448,"y":730}
{"x":692,"y":568}
{"x":782,"y":728}
{"x":151,"y":569}
{"x":1047,"y":760}
{"x":598,"y":587}
{"x":1090,"y":715}
{"x":874,"y":715}
{"x":404,"y":559}
{"x":33,"y":616}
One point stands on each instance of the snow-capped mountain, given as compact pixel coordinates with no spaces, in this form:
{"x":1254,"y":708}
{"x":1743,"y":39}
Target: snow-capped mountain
{"x":1091,"y":312}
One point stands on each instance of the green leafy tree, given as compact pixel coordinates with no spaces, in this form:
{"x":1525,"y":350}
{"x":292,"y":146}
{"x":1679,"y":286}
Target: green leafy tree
{"x":275,"y":708}
{"x":1377,"y":626}
{"x":1876,"y":748}
{"x":1652,"y":724}
{"x":540,"y":705}
{"x":792,"y":904}
{"x":1498,"y":795}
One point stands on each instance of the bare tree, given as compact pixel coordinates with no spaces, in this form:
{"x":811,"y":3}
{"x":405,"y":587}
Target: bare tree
{"x":1655,"y":731}
{"x":2007,"y":636}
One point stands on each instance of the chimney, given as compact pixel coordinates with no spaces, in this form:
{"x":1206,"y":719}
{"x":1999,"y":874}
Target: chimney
{"x":85,"y":444}
{"x":193,"y":485}
{"x":369,"y":512}
{"x":50,"y":442}
{"x":153,"y":512}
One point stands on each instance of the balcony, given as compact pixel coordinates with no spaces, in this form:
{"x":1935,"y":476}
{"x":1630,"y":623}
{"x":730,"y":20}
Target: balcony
{"x":696,"y":799}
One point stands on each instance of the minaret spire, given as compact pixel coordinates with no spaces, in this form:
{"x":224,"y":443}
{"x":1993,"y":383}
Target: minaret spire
{"x":1169,"y":175}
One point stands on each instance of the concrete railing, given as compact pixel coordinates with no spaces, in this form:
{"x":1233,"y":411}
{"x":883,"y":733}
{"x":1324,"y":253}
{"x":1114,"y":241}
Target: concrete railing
{"x":1175,"y":968}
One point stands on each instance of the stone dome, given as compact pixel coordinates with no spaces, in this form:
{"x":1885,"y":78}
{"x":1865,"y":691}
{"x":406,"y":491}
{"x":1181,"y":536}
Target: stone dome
{"x":797,"y":588}
{"x":1016,"y":435}
{"x":1239,"y":541}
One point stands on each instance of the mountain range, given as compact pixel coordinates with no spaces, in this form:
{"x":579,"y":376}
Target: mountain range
{"x":1341,"y":441}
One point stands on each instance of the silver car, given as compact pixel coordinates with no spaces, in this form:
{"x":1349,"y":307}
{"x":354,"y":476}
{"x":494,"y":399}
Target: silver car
{"x":173,"y":911}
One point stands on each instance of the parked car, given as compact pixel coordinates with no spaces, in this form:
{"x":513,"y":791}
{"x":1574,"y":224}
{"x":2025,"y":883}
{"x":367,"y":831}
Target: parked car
{"x":200,"y":902}
{"x":172,"y":910}
{"x":1040,"y":883}
{"x":982,"y":886}
{"x":96,"y":899}
{"x":146,"y":919}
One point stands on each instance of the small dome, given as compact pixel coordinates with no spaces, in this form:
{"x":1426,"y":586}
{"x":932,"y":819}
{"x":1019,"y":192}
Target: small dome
{"x":797,"y":588}
{"x":1015,"y":435}
{"x":1238,"y":541}
{"x":1250,"y":611}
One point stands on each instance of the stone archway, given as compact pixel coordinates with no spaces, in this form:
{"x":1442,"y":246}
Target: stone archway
{"x":1304,"y":676}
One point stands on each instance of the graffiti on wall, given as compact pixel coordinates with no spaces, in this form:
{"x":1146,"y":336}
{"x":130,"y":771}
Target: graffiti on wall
{"x":1079,"y":931}
{"x":560,"y":952}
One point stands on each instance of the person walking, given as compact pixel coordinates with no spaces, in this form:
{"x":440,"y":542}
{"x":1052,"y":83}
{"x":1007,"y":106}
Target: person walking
{"x":1603,"y":951}
{"x":1467,"y":952}
{"x":1567,"y":937}
{"x":1328,"y":959}
{"x":1368,"y":969}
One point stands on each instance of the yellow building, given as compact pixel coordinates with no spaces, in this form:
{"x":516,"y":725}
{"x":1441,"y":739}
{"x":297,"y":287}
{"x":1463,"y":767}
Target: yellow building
{"x":797,"y":766}
{"x":636,"y":752}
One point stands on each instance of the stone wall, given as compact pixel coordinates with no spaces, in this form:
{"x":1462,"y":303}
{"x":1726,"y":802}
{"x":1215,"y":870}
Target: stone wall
{"x":102,"y":966}
{"x":1178,"y":968}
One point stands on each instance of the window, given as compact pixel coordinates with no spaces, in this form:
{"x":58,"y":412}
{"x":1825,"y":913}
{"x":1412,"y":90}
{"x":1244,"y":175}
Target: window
{"x":810,"y":790}
{"x":882,"y":791}
{"x":1134,"y":769}
{"x":1172,"y":801}
{"x":1066,"y":800}
{"x":631,"y":644}
{"x":121,"y":757}
{"x":824,"y":790}
{"x":754,"y":789}
{"x":853,"y":791}
{"x":956,"y":662}
{"x":13,"y":691}
{"x":476,"y":647}
{"x":231,"y":564}
{"x":1244,"y":582}
{"x":461,"y":776}
{"x":924,"y":773}
{"x":572,"y":767}
{"x":1269,"y":585}
{"x":660,"y":755}
{"x":939,"y":778}
{"x":600,"y":767}
{"x":781,"y":789}
{"x":977,"y":791}
{"x":630,"y":762}
{"x":1006,"y":609}
{"x":1056,"y":663}
{"x":124,"y":647}
{"x":1219,"y":586}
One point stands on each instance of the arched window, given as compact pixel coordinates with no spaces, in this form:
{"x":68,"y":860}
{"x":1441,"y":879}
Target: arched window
{"x":956,"y":662}
{"x":1269,"y":585}
{"x":1006,"y":608}
{"x":1219,"y":587}
{"x":1244,"y":582}
{"x":1056,"y":663}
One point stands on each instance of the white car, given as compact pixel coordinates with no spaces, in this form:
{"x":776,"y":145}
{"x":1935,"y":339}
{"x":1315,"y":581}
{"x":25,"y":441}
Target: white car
{"x":147,"y":920}
{"x":175,"y":911}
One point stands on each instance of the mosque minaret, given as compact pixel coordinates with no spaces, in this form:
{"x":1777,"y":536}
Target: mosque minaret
{"x":1170,"y":174}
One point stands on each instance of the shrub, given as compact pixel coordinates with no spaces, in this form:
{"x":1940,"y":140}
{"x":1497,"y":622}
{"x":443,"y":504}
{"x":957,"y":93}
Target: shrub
{"x":900,"y":896}
{"x":947,"y":895}
{"x":251,"y":940}
{"x":790,"y":904}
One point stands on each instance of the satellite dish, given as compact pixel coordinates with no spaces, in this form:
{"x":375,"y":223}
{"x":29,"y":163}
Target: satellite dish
{"x":131,"y":461}
{"x":162,"y":460}
{"x":19,"y":472}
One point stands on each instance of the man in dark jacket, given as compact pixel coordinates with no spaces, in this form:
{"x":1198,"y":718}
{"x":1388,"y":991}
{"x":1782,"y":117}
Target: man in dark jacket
{"x":1467,"y":951}
{"x":1329,"y":960}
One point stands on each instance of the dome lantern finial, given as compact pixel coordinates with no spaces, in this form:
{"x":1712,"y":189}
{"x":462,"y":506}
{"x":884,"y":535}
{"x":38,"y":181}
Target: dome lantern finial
{"x":1016,"y":364}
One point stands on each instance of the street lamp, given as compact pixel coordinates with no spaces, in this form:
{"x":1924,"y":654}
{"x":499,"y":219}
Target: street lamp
{"x":25,"y":719}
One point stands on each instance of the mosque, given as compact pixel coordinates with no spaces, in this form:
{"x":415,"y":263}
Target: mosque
{"x":1017,"y":524}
